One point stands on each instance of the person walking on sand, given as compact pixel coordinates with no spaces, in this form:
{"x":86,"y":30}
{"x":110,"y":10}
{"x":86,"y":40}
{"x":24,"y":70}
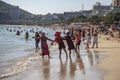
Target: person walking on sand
{"x":44,"y":45}
{"x":78,"y":40}
{"x":95,"y":39}
{"x":83,"y":34}
{"x":88,"y":38}
{"x":71,"y":45}
{"x":60,"y":42}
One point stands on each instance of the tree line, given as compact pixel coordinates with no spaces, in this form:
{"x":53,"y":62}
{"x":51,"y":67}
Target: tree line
{"x":108,"y":19}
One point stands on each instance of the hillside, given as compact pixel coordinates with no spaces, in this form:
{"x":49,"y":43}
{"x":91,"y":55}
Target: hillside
{"x":4,"y":7}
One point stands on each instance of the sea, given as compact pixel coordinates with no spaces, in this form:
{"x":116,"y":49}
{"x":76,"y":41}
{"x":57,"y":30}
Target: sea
{"x":15,"y":51}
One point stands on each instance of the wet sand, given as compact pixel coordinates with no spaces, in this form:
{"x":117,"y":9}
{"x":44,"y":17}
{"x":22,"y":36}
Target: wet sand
{"x":84,"y":68}
{"x":110,"y":48}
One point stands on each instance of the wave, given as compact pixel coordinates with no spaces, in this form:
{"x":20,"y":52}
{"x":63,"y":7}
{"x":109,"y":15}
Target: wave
{"x":20,"y":66}
{"x":23,"y":64}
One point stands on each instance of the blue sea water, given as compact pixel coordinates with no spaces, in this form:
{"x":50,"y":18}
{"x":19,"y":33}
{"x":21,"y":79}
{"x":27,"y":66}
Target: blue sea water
{"x":15,"y":48}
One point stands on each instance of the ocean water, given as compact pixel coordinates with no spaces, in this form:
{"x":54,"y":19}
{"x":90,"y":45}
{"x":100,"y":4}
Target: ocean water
{"x":15,"y":50}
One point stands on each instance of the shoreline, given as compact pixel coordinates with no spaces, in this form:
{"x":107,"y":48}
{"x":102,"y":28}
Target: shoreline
{"x":93,"y":63}
{"x":63,"y":69}
{"x":111,"y":49}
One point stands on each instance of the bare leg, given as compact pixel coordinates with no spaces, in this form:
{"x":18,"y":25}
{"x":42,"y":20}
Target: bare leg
{"x":36,"y":48}
{"x":70,"y":54}
{"x":77,"y":54}
{"x":96,"y":45}
{"x":42,"y":56}
{"x":65,"y":52}
{"x":119,"y":34}
{"x":78,"y":48}
{"x":88,"y":46}
{"x":49,"y":56}
{"x":60,"y":53}
{"x":93,"y":44}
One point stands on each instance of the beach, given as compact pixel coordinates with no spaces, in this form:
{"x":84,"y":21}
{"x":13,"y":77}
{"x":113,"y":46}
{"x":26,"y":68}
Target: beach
{"x":100,"y":63}
{"x":110,"y":48}
{"x":84,"y":68}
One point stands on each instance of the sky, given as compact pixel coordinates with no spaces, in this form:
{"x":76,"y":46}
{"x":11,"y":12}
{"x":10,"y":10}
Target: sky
{"x":55,"y":6}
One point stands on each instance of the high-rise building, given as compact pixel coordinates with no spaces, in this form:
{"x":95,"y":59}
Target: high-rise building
{"x":115,"y":8}
{"x":14,"y":12}
{"x":115,"y":2}
{"x":4,"y":16}
{"x":100,"y":9}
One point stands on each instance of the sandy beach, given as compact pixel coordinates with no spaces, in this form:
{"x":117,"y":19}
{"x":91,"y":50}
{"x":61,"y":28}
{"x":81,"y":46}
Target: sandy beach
{"x":110,"y":48}
{"x":100,"y":63}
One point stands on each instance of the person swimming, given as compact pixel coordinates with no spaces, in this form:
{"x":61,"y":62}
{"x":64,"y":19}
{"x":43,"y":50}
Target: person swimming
{"x":26,"y":35}
{"x":18,"y":32}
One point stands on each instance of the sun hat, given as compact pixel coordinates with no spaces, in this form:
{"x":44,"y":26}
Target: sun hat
{"x":43,"y":34}
{"x":57,"y":33}
{"x":67,"y":33}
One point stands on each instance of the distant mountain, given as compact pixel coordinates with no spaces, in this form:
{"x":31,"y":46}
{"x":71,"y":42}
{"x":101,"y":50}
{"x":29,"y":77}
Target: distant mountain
{"x":5,"y":8}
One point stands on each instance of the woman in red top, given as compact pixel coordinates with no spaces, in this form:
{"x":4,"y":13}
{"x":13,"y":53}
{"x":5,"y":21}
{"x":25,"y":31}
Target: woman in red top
{"x":60,"y":42}
{"x":44,"y":45}
{"x":78,"y":39}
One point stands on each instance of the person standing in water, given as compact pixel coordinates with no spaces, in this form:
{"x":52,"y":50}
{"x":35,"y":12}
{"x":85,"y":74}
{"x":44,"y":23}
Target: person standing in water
{"x":37,"y":40}
{"x":26,"y":35}
{"x":95,"y":38}
{"x":60,"y":42}
{"x":71,"y":45}
{"x":88,"y":38}
{"x":17,"y":33}
{"x":78,"y":40}
{"x":44,"y":45}
{"x":83,"y":34}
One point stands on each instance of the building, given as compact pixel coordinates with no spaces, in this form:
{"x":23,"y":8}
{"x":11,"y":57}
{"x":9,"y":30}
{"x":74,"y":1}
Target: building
{"x":68,"y":15}
{"x":116,"y":2}
{"x":4,"y":16}
{"x":14,"y":12}
{"x":87,"y":13}
{"x":99,"y":9}
{"x":115,"y":8}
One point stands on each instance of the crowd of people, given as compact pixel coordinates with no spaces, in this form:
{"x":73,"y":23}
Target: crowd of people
{"x":73,"y":41}
{"x":73,"y":38}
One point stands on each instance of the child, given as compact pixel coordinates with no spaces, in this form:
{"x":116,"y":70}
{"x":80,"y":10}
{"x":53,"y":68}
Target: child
{"x":78,"y":39}
{"x":70,"y":45}
{"x":95,"y":39}
{"x":60,"y":42}
{"x":37,"y":40}
{"x":44,"y":45}
{"x":83,"y":34}
{"x":88,"y":38}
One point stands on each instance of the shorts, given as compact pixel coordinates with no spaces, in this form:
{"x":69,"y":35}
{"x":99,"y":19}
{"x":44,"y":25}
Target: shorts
{"x":37,"y":43}
{"x":79,"y":42}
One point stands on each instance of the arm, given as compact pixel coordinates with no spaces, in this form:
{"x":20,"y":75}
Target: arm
{"x":36,"y":37}
{"x":33,"y":37}
{"x":49,"y":39}
{"x":63,"y":38}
